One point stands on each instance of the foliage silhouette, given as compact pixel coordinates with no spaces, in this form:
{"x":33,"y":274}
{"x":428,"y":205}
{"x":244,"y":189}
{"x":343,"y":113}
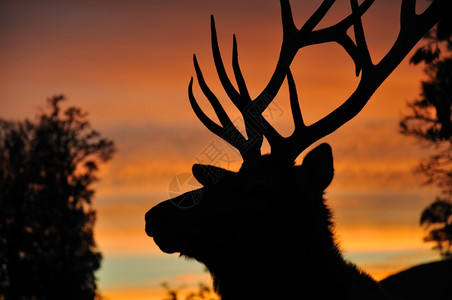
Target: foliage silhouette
{"x":47,"y":168}
{"x":204,"y":292}
{"x":438,"y":217}
{"x":429,"y":119}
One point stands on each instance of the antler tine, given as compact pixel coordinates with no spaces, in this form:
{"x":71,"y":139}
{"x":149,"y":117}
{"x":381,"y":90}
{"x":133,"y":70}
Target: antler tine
{"x":230,"y":90}
{"x":363,"y":55}
{"x":281,"y":146}
{"x":211,"y":125}
{"x":338,"y":33}
{"x":221,"y":113}
{"x":294,"y":39}
{"x":413,"y":27}
{"x":317,"y":16}
{"x":238,"y":74}
{"x":249,"y":149}
{"x":249,"y":118}
{"x":228,"y":132}
{"x":295,"y":105}
{"x":241,"y":98}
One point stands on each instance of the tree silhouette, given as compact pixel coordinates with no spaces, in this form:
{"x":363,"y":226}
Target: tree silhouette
{"x":47,"y":168}
{"x":429,"y":119}
{"x":438,"y":217}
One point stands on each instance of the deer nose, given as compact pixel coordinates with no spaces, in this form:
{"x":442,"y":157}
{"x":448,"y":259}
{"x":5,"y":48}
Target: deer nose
{"x":156,"y":217}
{"x":148,"y":228}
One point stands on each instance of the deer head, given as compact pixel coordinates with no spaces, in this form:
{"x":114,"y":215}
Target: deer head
{"x":234,"y":209}
{"x":270,"y":203}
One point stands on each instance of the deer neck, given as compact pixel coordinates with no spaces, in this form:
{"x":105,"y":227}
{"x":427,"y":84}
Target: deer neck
{"x":279,"y":267}
{"x":270,"y":276}
{"x":284,"y":277}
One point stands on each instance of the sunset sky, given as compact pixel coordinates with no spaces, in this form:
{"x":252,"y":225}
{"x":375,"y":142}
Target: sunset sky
{"x":128,"y":64}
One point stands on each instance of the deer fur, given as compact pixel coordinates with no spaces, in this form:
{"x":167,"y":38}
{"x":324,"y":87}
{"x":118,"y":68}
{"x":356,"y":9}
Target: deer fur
{"x":264,"y":232}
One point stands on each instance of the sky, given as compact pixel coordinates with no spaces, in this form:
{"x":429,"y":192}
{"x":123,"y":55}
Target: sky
{"x":128,"y":64}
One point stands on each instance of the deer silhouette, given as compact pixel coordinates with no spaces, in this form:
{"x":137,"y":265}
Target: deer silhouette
{"x":265,"y":232}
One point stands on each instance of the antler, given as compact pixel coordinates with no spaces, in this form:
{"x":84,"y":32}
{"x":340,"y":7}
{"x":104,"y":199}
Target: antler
{"x":412,"y":28}
{"x":249,"y":149}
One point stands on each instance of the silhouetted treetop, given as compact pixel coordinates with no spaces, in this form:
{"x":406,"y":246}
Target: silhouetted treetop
{"x":47,"y":167}
{"x":430,"y":115}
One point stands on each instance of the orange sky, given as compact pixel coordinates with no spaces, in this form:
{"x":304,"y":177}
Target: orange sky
{"x":128,"y":64}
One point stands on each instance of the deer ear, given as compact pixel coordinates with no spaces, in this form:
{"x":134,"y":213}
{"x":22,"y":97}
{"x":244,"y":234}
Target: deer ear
{"x":208,"y":175}
{"x":318,"y":166}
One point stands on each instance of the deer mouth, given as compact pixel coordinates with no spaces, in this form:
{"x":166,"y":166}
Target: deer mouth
{"x":166,"y":244}
{"x":160,"y":226}
{"x":164,"y":241}
{"x":172,"y":243}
